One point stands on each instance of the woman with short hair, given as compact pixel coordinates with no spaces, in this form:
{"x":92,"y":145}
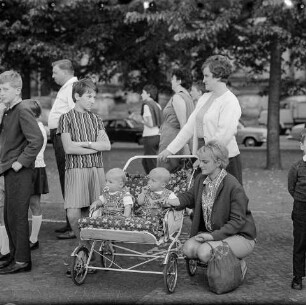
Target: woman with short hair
{"x":215,"y":117}
{"x":220,"y":208}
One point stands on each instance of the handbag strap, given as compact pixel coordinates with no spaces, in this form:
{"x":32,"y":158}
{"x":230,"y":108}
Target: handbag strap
{"x":213,"y":250}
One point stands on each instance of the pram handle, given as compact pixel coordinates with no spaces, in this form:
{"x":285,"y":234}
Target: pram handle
{"x":155,"y":157}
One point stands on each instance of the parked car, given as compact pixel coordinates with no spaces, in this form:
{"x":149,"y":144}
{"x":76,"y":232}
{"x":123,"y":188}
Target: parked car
{"x":295,"y":132}
{"x":292,"y":112}
{"x":251,"y":135}
{"x":123,"y":130}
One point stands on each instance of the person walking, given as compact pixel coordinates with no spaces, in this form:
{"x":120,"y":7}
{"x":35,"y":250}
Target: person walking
{"x":216,"y":116}
{"x":63,"y":75}
{"x":17,"y":159}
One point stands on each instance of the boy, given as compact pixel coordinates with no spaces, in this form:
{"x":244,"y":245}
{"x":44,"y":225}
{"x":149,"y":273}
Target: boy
{"x":115,"y":199}
{"x":297,"y":189}
{"x":16,"y":164}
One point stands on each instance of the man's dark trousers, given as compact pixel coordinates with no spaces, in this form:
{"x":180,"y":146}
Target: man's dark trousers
{"x":18,"y":190}
{"x":60,"y":161}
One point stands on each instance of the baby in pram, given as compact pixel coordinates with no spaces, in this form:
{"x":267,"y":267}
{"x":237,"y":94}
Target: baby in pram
{"x":153,"y":203}
{"x":115,"y":199}
{"x":155,"y":197}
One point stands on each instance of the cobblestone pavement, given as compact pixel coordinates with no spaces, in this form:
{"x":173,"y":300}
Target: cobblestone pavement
{"x":267,"y":281}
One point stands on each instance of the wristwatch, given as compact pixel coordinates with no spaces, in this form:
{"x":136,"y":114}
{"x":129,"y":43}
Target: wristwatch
{"x":89,"y":144}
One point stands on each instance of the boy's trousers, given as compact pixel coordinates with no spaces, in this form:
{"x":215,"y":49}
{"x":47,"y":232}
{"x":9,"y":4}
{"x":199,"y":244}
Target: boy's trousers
{"x":18,"y":189}
{"x":299,"y":237}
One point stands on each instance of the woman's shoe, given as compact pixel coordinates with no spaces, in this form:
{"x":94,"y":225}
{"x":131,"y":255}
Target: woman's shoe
{"x":297,"y":283}
{"x":4,"y":257}
{"x":34,"y":246}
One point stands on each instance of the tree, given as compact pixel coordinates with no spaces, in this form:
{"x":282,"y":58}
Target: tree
{"x":253,"y":33}
{"x":271,"y":29}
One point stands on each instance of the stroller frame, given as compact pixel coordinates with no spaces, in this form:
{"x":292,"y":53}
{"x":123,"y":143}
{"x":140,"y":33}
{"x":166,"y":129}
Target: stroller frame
{"x":109,"y":250}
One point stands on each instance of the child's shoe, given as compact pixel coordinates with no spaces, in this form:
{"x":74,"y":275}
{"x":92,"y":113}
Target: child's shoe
{"x":297,"y":283}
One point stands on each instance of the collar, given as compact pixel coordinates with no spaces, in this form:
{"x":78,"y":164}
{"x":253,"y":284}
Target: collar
{"x":207,"y":180}
{"x":70,"y":81}
{"x":14,"y":104}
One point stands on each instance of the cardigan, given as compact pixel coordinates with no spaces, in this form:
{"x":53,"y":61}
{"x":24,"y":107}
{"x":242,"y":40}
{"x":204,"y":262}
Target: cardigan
{"x":230,"y":214}
{"x":20,"y":137}
{"x":297,"y":181}
{"x":219,"y":123}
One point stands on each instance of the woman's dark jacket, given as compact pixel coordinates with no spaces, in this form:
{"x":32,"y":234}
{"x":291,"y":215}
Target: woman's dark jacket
{"x":230,"y":213}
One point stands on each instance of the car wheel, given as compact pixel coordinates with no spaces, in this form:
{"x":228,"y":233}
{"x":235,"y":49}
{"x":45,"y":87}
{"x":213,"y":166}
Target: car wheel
{"x":250,"y":142}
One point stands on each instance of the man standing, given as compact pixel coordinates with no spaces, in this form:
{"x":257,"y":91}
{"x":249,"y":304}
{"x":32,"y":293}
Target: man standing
{"x":63,"y":75}
{"x":20,"y":142}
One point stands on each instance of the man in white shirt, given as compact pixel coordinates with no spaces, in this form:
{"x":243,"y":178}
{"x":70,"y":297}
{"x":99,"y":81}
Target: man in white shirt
{"x":63,"y":75}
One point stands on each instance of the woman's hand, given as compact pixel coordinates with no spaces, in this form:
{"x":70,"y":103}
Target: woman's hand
{"x":203,"y":237}
{"x":164,"y":154}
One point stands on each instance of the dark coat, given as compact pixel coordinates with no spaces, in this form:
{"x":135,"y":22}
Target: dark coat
{"x":20,"y":137}
{"x":230,"y":213}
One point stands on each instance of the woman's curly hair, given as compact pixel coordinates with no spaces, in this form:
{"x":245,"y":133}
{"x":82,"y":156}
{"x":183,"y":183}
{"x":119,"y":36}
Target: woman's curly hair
{"x":219,"y":66}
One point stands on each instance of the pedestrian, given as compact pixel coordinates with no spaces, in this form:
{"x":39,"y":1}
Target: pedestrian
{"x":84,"y":138}
{"x":151,"y":118}
{"x":220,"y":208}
{"x":216,"y":116}
{"x":17,"y":160}
{"x":4,"y":241}
{"x":297,"y":189}
{"x":40,"y":180}
{"x":63,"y":75}
{"x":175,"y":116}
{"x":196,"y":91}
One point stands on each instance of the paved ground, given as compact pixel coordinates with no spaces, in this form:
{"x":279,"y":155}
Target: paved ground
{"x":269,"y":266}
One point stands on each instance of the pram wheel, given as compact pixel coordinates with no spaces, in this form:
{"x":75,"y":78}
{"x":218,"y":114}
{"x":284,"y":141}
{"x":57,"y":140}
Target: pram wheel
{"x":191,"y":265}
{"x":107,"y":252}
{"x":170,"y":273}
{"x":78,"y":267}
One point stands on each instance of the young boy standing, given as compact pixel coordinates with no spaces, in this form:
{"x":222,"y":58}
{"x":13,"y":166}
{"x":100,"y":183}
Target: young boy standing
{"x":297,"y":189}
{"x":20,"y":142}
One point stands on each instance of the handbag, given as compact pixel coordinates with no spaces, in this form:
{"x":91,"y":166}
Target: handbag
{"x":224,"y":269}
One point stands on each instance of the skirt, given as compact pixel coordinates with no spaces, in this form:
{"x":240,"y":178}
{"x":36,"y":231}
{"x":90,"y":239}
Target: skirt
{"x":40,"y":181}
{"x":83,"y":186}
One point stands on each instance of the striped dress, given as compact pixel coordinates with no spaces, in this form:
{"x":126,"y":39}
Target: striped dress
{"x":83,"y":127}
{"x":84,"y":174}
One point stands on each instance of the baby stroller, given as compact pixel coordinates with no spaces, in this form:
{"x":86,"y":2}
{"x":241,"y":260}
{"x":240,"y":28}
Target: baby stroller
{"x":115,"y":240}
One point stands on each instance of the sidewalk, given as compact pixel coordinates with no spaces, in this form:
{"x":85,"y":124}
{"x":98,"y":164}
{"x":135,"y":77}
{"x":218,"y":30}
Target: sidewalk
{"x":267,"y":281}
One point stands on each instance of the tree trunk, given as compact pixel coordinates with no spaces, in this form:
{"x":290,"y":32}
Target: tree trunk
{"x":26,"y":83}
{"x":273,"y":149}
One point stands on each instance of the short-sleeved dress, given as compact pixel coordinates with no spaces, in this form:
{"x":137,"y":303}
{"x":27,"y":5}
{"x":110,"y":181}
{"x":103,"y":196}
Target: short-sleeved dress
{"x":115,"y":203}
{"x":85,"y":177}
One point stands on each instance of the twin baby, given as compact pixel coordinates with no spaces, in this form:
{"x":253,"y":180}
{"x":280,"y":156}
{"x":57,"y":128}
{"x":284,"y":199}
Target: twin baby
{"x":116,"y":200}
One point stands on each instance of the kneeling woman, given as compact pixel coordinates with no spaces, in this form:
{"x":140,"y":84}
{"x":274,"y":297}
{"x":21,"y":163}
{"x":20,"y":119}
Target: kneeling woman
{"x":220,"y":208}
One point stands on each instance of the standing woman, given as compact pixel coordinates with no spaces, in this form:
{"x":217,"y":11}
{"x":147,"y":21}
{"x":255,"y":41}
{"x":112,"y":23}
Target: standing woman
{"x":216,"y":116}
{"x":151,"y":118}
{"x":84,"y":139}
{"x":175,"y":116}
